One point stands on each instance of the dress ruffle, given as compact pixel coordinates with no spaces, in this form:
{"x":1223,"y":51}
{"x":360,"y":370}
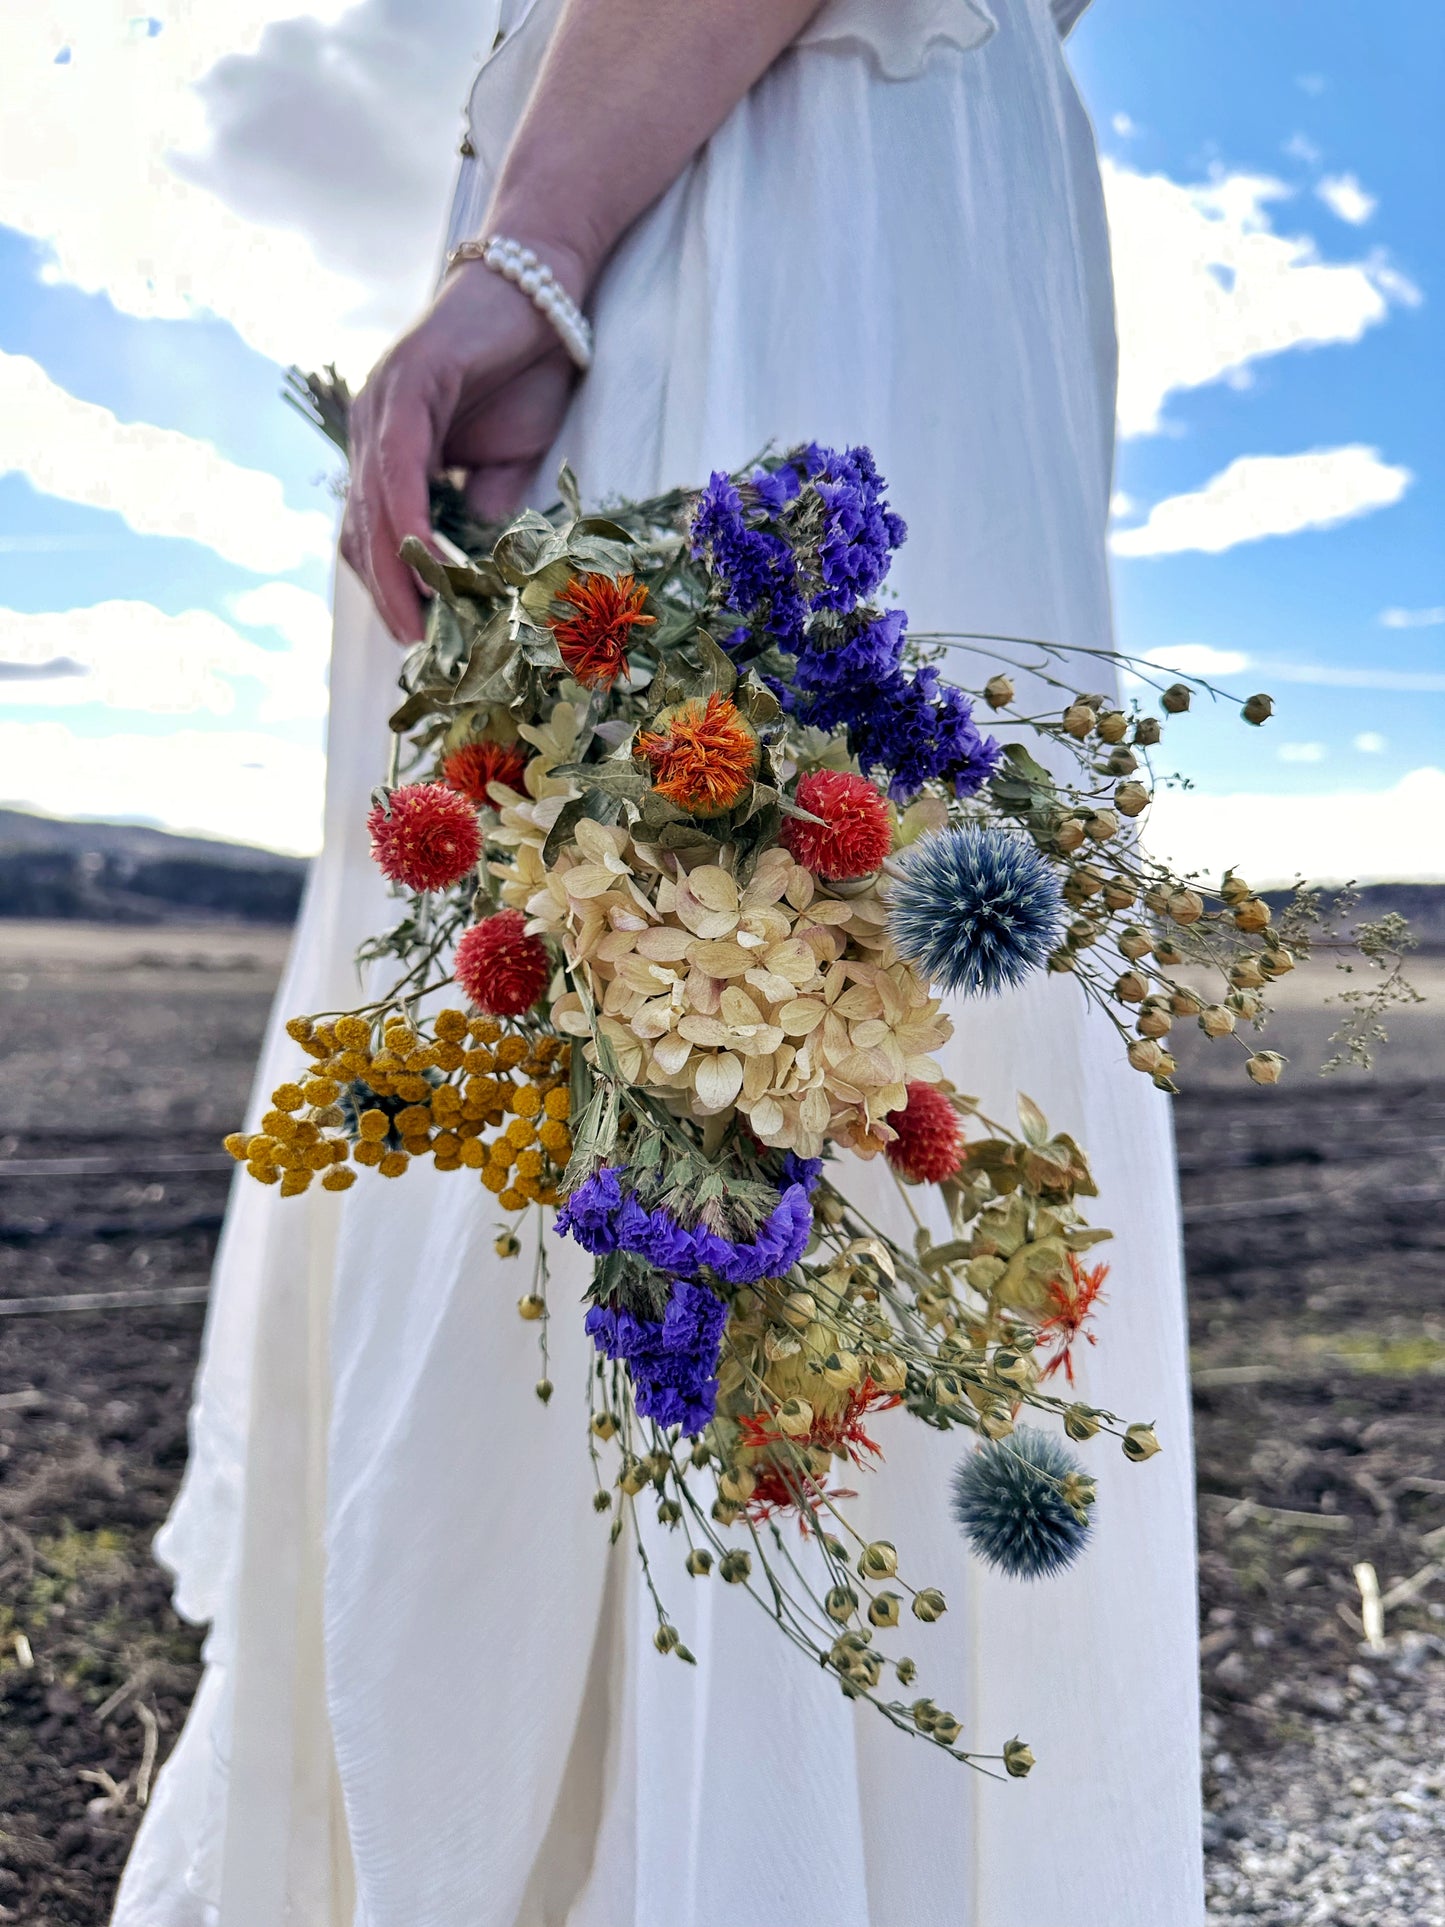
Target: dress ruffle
{"x":898,"y":36}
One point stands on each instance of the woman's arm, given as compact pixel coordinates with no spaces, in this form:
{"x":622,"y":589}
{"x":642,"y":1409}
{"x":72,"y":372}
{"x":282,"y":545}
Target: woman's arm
{"x":627,"y":93}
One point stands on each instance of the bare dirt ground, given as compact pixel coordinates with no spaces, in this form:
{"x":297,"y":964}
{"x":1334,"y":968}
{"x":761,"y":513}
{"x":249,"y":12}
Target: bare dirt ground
{"x":1314,"y":1225}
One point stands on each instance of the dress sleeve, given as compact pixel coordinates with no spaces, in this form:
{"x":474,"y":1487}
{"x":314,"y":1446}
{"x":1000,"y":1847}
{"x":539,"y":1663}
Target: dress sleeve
{"x":901,"y":34}
{"x":1066,"y":15}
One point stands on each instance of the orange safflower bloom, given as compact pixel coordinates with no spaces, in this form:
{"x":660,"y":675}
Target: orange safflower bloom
{"x":703,"y":754}
{"x":593,"y":640}
{"x":471,"y":768}
{"x":1075,"y":1297}
{"x":782,"y":1481}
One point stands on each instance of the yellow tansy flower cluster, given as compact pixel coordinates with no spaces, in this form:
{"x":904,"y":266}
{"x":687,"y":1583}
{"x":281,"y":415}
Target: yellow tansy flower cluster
{"x":413,"y":1095}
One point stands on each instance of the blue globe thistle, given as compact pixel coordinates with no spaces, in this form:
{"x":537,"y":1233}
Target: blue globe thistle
{"x":1007,"y":1498}
{"x":976,"y":909}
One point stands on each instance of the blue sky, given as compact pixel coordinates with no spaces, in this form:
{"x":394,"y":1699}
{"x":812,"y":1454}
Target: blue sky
{"x":1273,"y":175}
{"x":1307,"y":95}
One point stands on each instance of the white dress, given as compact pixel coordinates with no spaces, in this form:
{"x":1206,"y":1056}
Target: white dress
{"x":432,"y":1698}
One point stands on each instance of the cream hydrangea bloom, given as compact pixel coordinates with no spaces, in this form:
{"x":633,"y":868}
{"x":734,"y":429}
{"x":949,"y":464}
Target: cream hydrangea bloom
{"x":526,"y":821}
{"x":771,"y":997}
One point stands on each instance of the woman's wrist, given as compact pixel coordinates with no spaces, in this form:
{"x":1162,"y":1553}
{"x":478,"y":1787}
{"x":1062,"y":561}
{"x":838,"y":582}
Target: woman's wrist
{"x":513,"y":262}
{"x":575,"y":260}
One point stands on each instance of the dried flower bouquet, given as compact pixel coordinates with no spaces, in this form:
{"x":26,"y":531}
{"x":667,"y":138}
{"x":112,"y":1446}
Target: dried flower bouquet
{"x":692,"y":834}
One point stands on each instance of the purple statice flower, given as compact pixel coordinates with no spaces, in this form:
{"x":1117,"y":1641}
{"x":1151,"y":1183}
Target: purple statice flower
{"x":672,"y":1360}
{"x":867,"y":652}
{"x":603,"y":1219}
{"x":777,"y":1246}
{"x":969,"y":758}
{"x":617,"y":1333}
{"x":860,"y":531}
{"x":777,"y":488}
{"x":658,"y":1237}
{"x":755,"y":567}
{"x":917,"y":728}
{"x":804,"y":1171}
{"x":590,"y":1213}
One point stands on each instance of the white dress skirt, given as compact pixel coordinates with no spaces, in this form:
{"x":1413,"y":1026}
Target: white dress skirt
{"x":432,"y":1698}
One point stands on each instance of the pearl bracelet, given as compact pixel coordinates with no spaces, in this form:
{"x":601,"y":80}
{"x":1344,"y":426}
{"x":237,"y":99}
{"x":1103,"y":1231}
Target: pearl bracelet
{"x":527,"y":271}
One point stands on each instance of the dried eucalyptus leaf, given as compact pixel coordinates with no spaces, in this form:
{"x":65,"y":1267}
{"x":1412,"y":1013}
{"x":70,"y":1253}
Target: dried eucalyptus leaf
{"x":569,"y":491}
{"x":984,"y":1273}
{"x":715,"y":667}
{"x":420,"y":703}
{"x":504,"y":685}
{"x":1024,"y":764}
{"x":1031,"y":1118}
{"x":614,"y":779}
{"x":490,"y":649}
{"x":416,"y":555}
{"x":527,"y":546}
{"x":1080,"y":1237}
{"x":757,"y":702}
{"x":599,"y":554}
{"x":938,"y":1258}
{"x":479,"y":581}
{"x":545,"y":586}
{"x":602,"y":525}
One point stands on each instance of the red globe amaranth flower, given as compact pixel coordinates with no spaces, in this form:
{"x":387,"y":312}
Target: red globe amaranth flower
{"x":855,"y":835}
{"x":593,"y":639}
{"x":929,"y":1144}
{"x":468,"y":770}
{"x":704,"y":755}
{"x":501,"y":967}
{"x":425,"y":836}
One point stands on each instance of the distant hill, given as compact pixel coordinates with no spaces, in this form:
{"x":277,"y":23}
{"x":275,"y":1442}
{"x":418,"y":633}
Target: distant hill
{"x":1422,"y":905}
{"x":121,"y":873}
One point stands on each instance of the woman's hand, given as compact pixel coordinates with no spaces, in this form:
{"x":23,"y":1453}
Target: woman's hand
{"x":629,"y":89}
{"x":480,"y":383}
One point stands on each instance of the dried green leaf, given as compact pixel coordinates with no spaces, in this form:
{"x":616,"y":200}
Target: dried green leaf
{"x":1034,"y":1124}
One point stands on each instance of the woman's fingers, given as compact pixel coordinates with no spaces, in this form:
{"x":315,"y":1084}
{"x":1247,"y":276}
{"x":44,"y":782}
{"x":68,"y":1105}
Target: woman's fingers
{"x":497,"y":490}
{"x":390,"y":500}
{"x":478,"y":384}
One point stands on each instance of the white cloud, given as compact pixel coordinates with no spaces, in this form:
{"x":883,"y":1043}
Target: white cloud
{"x":302,"y":618}
{"x":1259,"y":495}
{"x":1121,"y":506}
{"x":1124,"y":126}
{"x":157,"y":480}
{"x":240,"y":784}
{"x":1329,"y":675}
{"x":1371,"y":743}
{"x":1372,"y":835}
{"x":1412,"y":618}
{"x":1300,"y":147}
{"x":1205,"y":286}
{"x":134,"y":657}
{"x":1213,"y":664}
{"x":287,"y":174}
{"x":1314,"y":84}
{"x":1346,"y":199}
{"x":305,"y":621}
{"x":1199,"y":659}
{"x":1301,"y":752}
